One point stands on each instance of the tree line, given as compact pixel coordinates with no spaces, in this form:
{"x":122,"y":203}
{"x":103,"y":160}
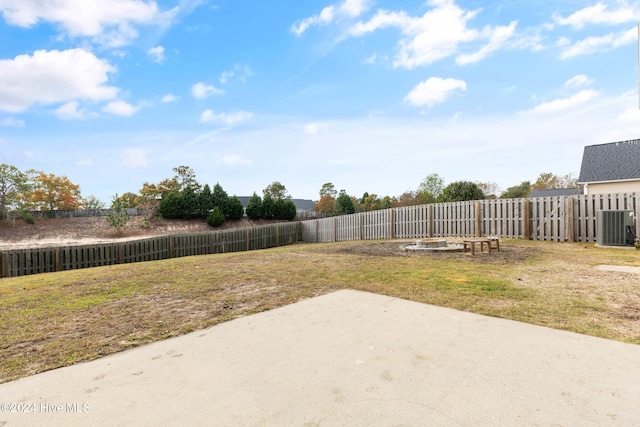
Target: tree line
{"x":432,"y":189}
{"x":182,"y":196}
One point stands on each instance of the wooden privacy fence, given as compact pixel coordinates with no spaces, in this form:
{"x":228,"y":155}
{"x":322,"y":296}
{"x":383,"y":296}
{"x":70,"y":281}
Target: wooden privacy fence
{"x":21,"y":262}
{"x":547,"y":218}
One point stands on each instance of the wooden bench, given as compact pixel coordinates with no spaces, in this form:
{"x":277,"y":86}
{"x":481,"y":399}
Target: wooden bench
{"x":490,"y":242}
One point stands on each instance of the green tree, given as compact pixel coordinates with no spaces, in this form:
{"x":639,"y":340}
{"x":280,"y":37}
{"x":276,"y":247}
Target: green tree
{"x":185,"y":177}
{"x":268,"y":206}
{"x":14,"y":186}
{"x":548,"y":180}
{"x":344,"y":204}
{"x":517,"y":191}
{"x":220,"y":198}
{"x":92,"y":202}
{"x":129,"y":200}
{"x":216,"y":217}
{"x":328,"y":189}
{"x":171,"y":206}
{"x":285,"y":209}
{"x":431,"y":187}
{"x":385,"y":202}
{"x":461,"y":191}
{"x":205,"y":201}
{"x":118,"y":217}
{"x":254,"y":207}
{"x":189,"y":203}
{"x":276,"y":190}
{"x":236,"y":210}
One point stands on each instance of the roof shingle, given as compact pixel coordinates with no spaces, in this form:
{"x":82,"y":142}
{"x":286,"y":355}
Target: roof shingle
{"x":615,"y":161}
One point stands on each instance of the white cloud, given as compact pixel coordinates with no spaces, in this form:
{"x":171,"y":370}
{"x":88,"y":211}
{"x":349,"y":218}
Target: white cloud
{"x":498,"y":37}
{"x":108,"y":22}
{"x":346,"y":9}
{"x":595,"y":44}
{"x":12,"y":122}
{"x":239,"y":71}
{"x":120,"y":108}
{"x":234,"y":160}
{"x":580,"y":99}
{"x":434,"y":91}
{"x":354,"y":8}
{"x":168,"y":98}
{"x":229,"y":119}
{"x":69,"y":111}
{"x":202,"y":91}
{"x":316,"y":128}
{"x":49,"y":77}
{"x":134,"y":158}
{"x":578,"y":81}
{"x":156,"y":53}
{"x":601,"y":14}
{"x":429,"y":38}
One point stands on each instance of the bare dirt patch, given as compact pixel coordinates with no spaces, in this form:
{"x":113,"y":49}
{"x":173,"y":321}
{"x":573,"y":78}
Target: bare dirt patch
{"x":80,"y":231}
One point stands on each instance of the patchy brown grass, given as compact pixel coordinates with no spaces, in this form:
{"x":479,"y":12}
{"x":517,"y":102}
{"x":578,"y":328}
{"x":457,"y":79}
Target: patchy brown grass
{"x":56,"y":319}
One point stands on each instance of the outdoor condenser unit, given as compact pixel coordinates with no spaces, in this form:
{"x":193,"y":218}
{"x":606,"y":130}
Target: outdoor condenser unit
{"x":615,"y":228}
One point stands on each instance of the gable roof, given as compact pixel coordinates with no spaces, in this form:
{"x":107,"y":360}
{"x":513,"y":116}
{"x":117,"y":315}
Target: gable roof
{"x":616,"y":161}
{"x":555,"y":192}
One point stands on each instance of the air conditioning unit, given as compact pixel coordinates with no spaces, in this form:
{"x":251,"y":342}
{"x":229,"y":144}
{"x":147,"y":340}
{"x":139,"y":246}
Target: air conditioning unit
{"x":615,"y":228}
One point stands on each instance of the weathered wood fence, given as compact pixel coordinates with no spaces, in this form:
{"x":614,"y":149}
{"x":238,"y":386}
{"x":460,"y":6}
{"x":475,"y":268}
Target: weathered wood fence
{"x":563,"y":219}
{"x":21,"y":262}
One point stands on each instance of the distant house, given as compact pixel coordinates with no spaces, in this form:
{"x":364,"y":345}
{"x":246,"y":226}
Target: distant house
{"x":611,"y":168}
{"x":556,"y":192}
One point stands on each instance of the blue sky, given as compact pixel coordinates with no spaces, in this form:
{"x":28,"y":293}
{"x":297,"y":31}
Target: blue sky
{"x":369,"y":95}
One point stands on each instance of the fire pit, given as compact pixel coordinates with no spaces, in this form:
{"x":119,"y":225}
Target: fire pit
{"x":432,"y":245}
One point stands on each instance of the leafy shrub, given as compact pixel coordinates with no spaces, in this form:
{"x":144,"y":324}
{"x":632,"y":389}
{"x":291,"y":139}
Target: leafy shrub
{"x":119,"y":216}
{"x":189,"y":203}
{"x":28,"y":218}
{"x":285,"y":209}
{"x":171,"y":206}
{"x":461,"y":191}
{"x":254,"y":207}
{"x":216,"y":217}
{"x":235,"y":208}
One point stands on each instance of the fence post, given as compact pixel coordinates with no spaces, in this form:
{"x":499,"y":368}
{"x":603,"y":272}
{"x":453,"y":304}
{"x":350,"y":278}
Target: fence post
{"x":335,"y":229}
{"x":478,"y":220}
{"x":360,"y":226}
{"x":429,"y":220}
{"x":3,"y":264}
{"x":570,"y":217}
{"x":57,"y":259}
{"x":527,"y":222}
{"x":392,"y":220}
